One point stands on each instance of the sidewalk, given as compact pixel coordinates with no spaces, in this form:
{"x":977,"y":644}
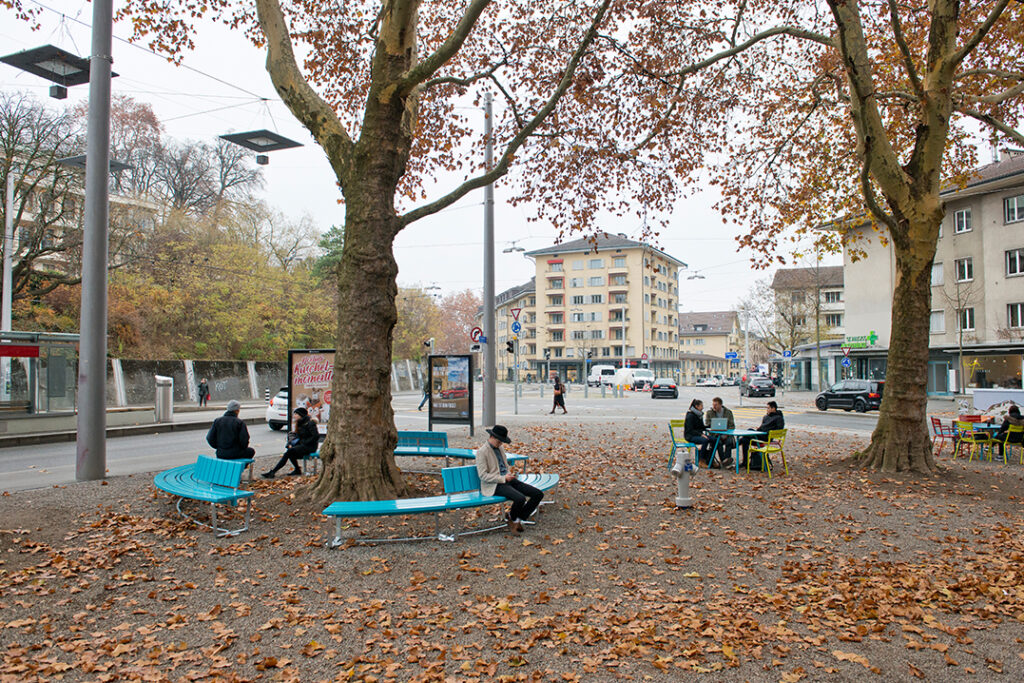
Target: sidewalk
{"x":185,"y":418}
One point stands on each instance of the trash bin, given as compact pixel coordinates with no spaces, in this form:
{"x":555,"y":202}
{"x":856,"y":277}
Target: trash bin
{"x":164,"y":398}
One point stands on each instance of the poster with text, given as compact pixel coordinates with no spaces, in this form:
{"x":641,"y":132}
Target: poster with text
{"x":309,"y":384}
{"x":451,"y":389}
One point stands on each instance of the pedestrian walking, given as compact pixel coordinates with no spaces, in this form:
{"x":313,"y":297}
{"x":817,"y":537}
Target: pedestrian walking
{"x":559,"y":397}
{"x":426,"y":395}
{"x":204,"y":392}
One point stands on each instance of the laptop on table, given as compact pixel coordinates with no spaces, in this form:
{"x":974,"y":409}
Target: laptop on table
{"x":719,"y":424}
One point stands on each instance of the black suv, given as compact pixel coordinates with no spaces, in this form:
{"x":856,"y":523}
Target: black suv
{"x":757,"y":386}
{"x":861,"y":395}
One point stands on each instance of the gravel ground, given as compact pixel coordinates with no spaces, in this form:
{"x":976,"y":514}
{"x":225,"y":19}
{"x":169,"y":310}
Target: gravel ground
{"x":828,"y":573}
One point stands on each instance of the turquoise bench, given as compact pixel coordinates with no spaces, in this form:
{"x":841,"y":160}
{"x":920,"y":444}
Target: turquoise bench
{"x":430,"y":439}
{"x":209,"y":480}
{"x":461,"y":491}
{"x":411,"y":443}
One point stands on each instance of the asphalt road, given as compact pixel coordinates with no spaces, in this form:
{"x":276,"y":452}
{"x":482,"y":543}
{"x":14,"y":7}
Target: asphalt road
{"x":28,"y":467}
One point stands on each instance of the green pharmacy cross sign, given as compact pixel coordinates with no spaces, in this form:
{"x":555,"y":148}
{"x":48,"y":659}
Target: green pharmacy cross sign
{"x":862,"y":342}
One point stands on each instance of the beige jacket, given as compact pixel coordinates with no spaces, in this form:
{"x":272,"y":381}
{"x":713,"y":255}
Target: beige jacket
{"x":487,"y":469}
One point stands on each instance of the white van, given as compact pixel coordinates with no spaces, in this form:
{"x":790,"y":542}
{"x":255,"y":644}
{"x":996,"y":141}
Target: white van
{"x":600,"y":374}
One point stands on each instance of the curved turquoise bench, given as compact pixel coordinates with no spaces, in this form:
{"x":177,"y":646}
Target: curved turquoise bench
{"x":209,"y":480}
{"x":445,"y":452}
{"x":462,"y":491}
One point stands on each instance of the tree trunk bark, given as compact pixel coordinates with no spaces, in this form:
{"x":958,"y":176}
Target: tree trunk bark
{"x":901,"y":441}
{"x":358,"y":454}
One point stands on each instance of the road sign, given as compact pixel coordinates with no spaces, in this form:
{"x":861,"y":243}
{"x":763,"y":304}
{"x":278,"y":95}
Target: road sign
{"x":643,"y":356}
{"x":846,"y":362}
{"x":731,"y":355}
{"x":515,"y":313}
{"x":787,"y":354}
{"x":482,"y":339}
{"x":846,"y":351}
{"x":476,"y":348}
{"x":516,"y":326}
{"x":475,"y":334}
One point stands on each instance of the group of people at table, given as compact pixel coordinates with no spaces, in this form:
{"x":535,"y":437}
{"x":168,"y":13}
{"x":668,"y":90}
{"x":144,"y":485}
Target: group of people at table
{"x":1000,"y":435}
{"x":705,"y":430}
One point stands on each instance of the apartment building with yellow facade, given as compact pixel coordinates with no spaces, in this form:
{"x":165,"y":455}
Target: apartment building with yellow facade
{"x":704,"y":340}
{"x":608,"y":300}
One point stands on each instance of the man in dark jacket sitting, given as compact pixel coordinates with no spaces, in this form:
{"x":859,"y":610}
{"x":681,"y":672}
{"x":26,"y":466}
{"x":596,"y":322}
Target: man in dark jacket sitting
{"x":229,"y":435}
{"x":301,"y":442}
{"x":772,"y":420}
{"x":1004,"y":437}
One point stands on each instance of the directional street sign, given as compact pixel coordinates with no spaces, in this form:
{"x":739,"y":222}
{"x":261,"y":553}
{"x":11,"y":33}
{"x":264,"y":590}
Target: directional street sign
{"x":515,"y":313}
{"x":731,"y":355}
{"x":516,"y":326}
{"x":846,"y":362}
{"x":482,"y":339}
{"x":787,"y":354}
{"x":846,"y":351}
{"x":475,"y":334}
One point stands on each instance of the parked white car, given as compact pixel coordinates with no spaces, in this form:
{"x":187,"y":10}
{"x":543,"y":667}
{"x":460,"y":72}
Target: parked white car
{"x":277,"y":411}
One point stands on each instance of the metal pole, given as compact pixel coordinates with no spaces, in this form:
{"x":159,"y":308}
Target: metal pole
{"x":515,"y":376}
{"x":8,"y":281}
{"x":489,"y":365}
{"x":91,"y":460}
{"x":746,"y":348}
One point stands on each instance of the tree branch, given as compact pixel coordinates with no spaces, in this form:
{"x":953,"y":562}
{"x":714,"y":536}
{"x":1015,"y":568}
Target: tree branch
{"x":901,"y":41}
{"x":304,"y":103}
{"x":423,"y":70}
{"x":501,"y":168}
{"x":979,"y":33}
{"x":992,"y":121}
{"x":468,"y":80}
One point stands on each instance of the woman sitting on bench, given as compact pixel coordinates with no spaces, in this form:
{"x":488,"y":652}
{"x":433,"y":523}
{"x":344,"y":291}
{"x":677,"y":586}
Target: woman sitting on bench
{"x":301,"y":442}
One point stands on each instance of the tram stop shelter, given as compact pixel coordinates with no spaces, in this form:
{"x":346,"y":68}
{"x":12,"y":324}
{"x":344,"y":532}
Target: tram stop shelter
{"x":37,"y":373}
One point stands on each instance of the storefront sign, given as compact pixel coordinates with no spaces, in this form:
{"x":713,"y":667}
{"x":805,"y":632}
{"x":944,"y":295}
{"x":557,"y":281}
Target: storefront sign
{"x":861,"y":342}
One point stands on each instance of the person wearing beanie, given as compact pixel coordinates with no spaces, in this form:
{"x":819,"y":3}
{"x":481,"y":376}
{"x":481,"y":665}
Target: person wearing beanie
{"x":229,"y":436}
{"x":303,"y":440}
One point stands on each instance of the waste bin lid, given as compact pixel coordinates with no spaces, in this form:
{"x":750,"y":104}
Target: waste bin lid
{"x":161,"y":380}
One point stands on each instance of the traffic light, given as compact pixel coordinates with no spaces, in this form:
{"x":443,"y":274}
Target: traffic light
{"x":547,"y":354}
{"x":590,"y":354}
{"x":510,"y":346}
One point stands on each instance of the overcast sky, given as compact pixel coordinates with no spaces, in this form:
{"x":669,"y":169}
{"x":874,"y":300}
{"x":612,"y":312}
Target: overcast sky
{"x":220,"y":89}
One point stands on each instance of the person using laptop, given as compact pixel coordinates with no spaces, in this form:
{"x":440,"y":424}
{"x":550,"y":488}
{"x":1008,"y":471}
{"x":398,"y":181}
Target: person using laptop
{"x":719,"y":418}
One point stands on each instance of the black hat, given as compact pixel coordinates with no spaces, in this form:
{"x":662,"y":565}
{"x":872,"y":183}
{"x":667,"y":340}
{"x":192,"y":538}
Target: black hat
{"x":301,"y":412}
{"x":500,"y":433}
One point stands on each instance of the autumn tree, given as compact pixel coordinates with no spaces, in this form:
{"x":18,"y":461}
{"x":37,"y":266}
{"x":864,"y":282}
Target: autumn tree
{"x":458,"y":318}
{"x":419,"y":319}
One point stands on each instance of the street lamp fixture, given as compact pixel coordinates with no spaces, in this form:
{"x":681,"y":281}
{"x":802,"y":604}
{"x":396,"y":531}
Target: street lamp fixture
{"x":511,"y":250}
{"x":79,"y":163}
{"x":261,"y":141}
{"x":53,"y":64}
{"x":696,"y":276}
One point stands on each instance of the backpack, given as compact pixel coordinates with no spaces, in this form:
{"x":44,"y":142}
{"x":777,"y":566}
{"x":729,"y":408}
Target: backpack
{"x":754,"y":460}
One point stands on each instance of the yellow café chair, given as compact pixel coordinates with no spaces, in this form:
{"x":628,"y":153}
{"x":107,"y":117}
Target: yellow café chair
{"x":675,"y":432}
{"x":971,"y":438}
{"x":775,"y":443}
{"x":1012,"y":442}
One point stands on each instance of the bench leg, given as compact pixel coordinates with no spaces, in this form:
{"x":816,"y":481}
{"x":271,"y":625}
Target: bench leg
{"x":213,"y":515}
{"x":336,"y":541}
{"x":437,"y":529}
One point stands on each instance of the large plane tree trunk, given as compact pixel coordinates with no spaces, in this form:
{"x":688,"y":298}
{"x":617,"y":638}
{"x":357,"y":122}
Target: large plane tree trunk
{"x":901,"y":441}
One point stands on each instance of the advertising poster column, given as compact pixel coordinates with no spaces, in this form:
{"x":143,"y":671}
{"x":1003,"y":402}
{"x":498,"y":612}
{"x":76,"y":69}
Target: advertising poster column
{"x":309,"y":384}
{"x":451,"y":390}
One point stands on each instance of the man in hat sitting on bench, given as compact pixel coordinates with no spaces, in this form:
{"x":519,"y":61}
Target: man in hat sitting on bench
{"x":496,"y":479}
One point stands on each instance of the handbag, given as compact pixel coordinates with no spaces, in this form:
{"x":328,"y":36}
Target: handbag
{"x":293,"y":439}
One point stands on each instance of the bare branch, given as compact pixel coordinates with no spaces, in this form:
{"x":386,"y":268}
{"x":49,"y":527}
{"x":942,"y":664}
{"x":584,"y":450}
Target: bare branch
{"x":501,"y":168}
{"x":304,"y":103}
{"x":792,"y":31}
{"x":468,"y":80}
{"x":999,"y":98}
{"x":422,"y":71}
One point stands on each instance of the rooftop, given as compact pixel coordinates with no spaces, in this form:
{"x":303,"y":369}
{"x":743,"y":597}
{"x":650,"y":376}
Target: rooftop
{"x":804,"y":278}
{"x":707,"y":323}
{"x":602,"y":241}
{"x":513,"y":293}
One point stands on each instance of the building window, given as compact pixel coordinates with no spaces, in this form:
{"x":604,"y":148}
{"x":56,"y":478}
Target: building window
{"x":577,"y":317}
{"x":937,"y":322}
{"x":698,"y":342}
{"x":577,"y":265}
{"x":621,"y":298}
{"x":596,"y":263}
{"x":962,"y":221}
{"x":579,"y":334}
{"x":597,"y":281}
{"x":1015,"y":316}
{"x":555,"y":283}
{"x":606,"y":351}
{"x":557,"y":335}
{"x":555,"y":267}
{"x":938,"y":278}
{"x":966,"y":319}
{"x":833,"y":297}
{"x":796,"y":298}
{"x":595,"y":316}
{"x":1015,"y":262}
{"x":558,"y":351}
{"x":597,"y":298}
{"x":834,"y":320}
{"x":619,"y":262}
{"x":576,"y":282}
{"x":1013,"y":209}
{"x":577,"y":299}
{"x":619,"y":280}
{"x":597,"y":334}
{"x":799,"y":321}
{"x":964,"y":270}
{"x":555,"y":300}
{"x":557,"y":318}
